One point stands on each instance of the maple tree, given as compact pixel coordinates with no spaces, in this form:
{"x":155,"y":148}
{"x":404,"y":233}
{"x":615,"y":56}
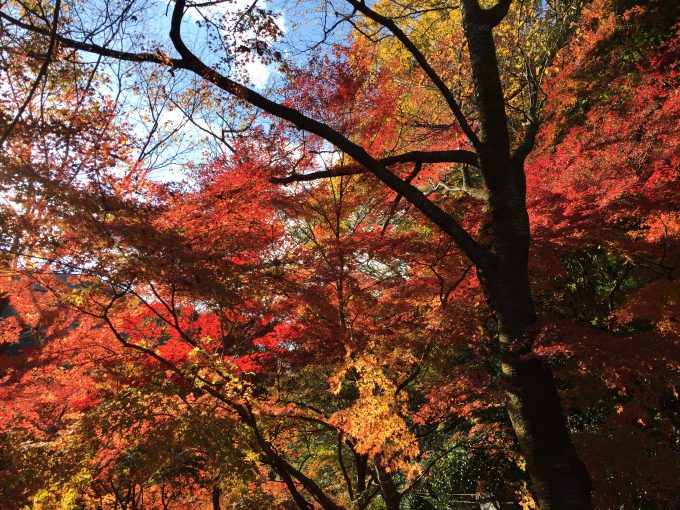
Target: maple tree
{"x":280,"y":339}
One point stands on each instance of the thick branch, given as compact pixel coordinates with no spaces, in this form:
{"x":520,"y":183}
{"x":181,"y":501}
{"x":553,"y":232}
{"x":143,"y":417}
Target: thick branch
{"x":343,"y":469}
{"x":447,"y":156}
{"x":191,"y":62}
{"x":497,"y":13}
{"x":528,"y":142}
{"x":288,"y":472}
{"x":321,"y":174}
{"x":438,"y":216}
{"x":154,"y":58}
{"x":450,"y":156}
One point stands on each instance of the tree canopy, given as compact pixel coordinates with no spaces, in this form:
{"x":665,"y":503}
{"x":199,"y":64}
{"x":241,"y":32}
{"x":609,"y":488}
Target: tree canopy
{"x":339,"y":255}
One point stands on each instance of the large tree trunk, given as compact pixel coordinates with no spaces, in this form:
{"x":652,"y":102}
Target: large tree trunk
{"x":559,"y":478}
{"x":390,"y":494}
{"x":216,"y":498}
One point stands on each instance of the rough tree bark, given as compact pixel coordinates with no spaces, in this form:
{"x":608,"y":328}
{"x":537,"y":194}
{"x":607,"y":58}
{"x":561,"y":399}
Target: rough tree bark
{"x":559,"y":478}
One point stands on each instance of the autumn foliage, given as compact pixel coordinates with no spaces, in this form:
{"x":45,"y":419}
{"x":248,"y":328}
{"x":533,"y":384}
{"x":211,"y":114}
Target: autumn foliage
{"x":242,"y":340}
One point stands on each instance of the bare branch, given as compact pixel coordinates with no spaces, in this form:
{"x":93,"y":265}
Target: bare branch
{"x":41,"y":74}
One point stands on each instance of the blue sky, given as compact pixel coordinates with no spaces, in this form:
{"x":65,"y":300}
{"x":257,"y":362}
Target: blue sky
{"x":300,"y":23}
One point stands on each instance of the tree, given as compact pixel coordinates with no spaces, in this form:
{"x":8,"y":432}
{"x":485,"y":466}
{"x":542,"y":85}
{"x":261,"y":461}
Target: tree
{"x":495,"y":144}
{"x":559,"y":478}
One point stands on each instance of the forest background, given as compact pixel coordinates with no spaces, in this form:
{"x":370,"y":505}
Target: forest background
{"x":339,"y":255}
